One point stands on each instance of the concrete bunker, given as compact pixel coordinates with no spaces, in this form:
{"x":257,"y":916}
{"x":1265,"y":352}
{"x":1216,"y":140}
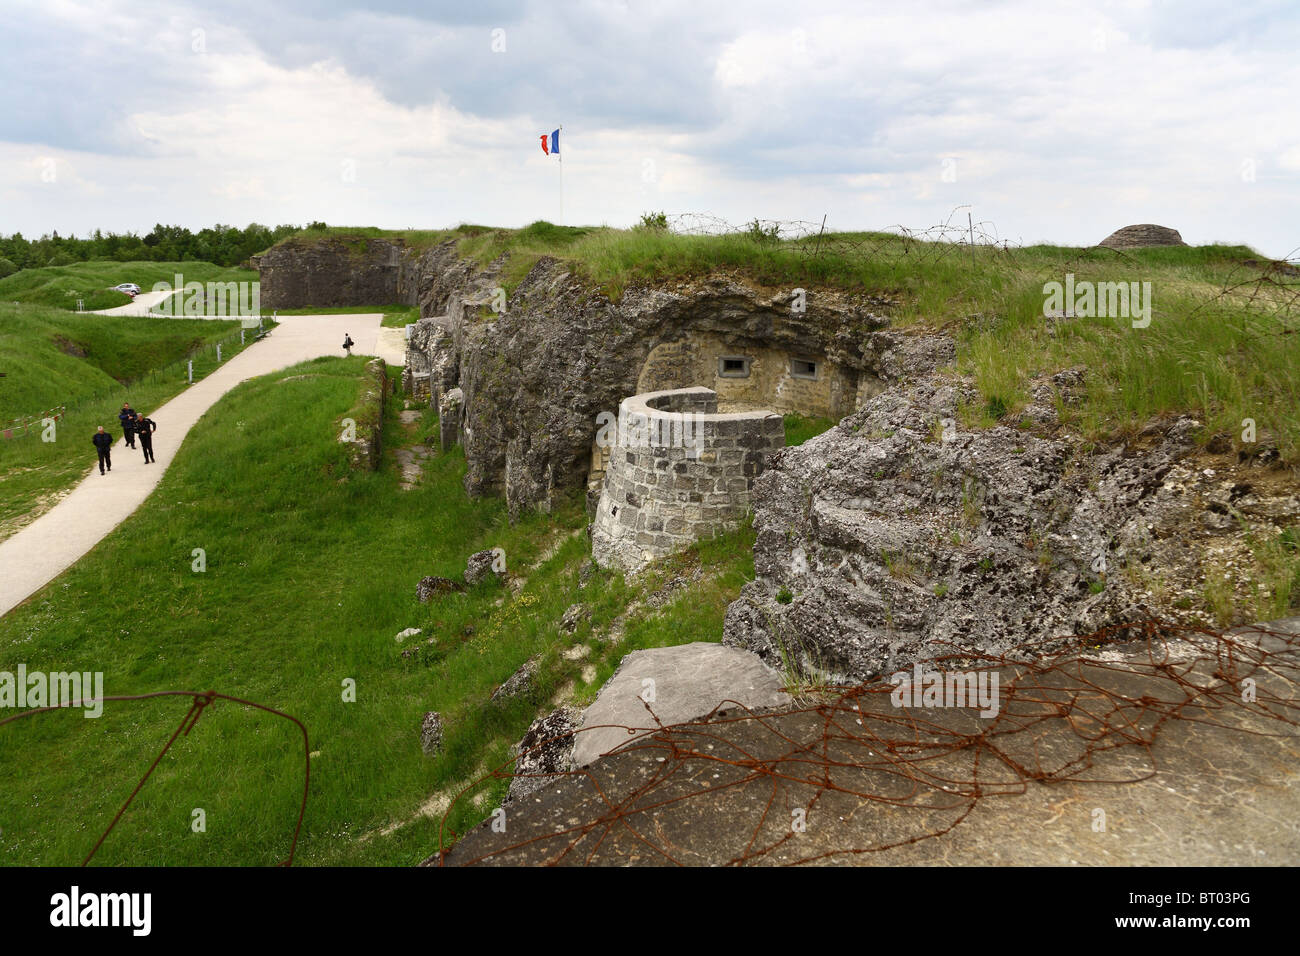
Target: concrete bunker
{"x":677,"y":470}
{"x":750,"y":374}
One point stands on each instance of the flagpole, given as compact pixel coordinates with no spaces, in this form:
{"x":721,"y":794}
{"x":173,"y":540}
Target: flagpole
{"x":562,"y":140}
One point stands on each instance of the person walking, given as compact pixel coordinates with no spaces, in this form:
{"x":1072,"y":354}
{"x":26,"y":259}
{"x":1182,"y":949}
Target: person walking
{"x":127,"y":417}
{"x":144,"y":429}
{"x":348,"y":343}
{"x":103,"y":443}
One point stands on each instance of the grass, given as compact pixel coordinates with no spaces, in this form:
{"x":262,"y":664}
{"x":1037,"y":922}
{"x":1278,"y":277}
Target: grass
{"x":53,"y":358}
{"x":311,"y":571}
{"x":91,"y":364}
{"x":92,"y":282}
{"x":799,"y":428}
{"x":1278,"y":558}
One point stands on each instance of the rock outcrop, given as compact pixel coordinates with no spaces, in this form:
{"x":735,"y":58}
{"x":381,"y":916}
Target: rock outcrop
{"x":897,"y":537}
{"x":1145,"y":234}
{"x":430,"y":586}
{"x":520,"y":381}
{"x":431,"y":731}
{"x":664,"y":686}
{"x":545,"y":750}
{"x":533,"y":380}
{"x":480,"y":566}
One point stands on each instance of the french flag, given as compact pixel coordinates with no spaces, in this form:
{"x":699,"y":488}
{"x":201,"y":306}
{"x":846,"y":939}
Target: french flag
{"x":554,"y":147}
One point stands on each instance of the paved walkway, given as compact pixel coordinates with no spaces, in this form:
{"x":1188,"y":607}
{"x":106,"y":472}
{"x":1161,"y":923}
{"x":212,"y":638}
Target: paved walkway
{"x":53,"y":542}
{"x":140,"y":305}
{"x":391,"y":346}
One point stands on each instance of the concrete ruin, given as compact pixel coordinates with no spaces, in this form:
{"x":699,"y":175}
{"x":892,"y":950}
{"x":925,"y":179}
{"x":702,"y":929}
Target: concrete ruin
{"x":1141,"y":236}
{"x":679,"y":471}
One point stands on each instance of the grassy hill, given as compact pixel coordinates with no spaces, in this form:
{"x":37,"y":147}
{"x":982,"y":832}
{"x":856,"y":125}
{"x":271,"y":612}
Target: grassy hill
{"x":311,"y":568}
{"x":92,"y":282}
{"x":51,"y":358}
{"x":311,"y":571}
{"x":90,"y":364}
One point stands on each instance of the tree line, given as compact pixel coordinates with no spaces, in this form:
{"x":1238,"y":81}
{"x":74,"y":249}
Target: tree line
{"x":223,"y":245}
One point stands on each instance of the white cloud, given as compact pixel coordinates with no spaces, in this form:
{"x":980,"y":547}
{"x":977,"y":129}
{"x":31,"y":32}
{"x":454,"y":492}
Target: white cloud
{"x":1062,"y":123}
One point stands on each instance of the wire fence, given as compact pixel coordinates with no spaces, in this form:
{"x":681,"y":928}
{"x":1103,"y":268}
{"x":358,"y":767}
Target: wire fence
{"x":1269,"y":287}
{"x":15,"y":425}
{"x":1079,"y":713}
{"x":958,"y":234}
{"x":199,"y":701}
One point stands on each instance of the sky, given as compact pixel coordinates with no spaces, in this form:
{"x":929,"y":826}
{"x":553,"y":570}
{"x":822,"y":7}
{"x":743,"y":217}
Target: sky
{"x":1056,"y":122}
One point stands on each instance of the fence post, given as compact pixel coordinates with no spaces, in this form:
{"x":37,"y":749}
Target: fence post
{"x":241,"y":336}
{"x":218,"y":353}
{"x":190,"y":364}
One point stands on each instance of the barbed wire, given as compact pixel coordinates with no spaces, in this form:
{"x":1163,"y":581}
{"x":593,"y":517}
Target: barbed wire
{"x":199,"y":701}
{"x":1060,"y":700}
{"x":1270,"y":287}
{"x":948,"y":238}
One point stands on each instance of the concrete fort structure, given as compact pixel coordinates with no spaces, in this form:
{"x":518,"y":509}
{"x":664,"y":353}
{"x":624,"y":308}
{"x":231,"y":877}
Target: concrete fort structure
{"x":678,"y":470}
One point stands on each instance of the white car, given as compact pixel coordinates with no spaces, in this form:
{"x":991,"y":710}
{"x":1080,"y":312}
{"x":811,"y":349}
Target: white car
{"x":130,"y":288}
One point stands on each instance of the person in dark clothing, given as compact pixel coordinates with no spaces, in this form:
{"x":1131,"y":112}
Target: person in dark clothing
{"x":103,"y":443}
{"x":144,"y":429}
{"x":127,"y":417}
{"x":348,"y":343}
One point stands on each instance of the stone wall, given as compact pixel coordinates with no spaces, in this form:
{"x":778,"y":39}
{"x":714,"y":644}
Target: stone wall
{"x":678,"y":471}
{"x":365,"y":449}
{"x":331,"y":273}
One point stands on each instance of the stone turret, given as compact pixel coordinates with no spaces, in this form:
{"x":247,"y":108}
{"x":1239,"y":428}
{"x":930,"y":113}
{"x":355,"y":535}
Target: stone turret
{"x":678,"y":471}
{"x":1146,"y":234}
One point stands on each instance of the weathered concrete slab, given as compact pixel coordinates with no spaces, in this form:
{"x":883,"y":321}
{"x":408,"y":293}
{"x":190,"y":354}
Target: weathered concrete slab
{"x":1131,"y":773}
{"x":675,"y":685}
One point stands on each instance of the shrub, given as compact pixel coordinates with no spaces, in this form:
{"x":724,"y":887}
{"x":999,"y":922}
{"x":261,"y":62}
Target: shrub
{"x":761,"y":233}
{"x":653,"y":220}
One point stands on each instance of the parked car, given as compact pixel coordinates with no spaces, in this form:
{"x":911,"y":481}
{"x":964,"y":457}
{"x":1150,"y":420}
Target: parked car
{"x":130,"y":288}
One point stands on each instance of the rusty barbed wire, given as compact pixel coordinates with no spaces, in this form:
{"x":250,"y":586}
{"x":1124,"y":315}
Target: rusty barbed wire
{"x":945,"y":239}
{"x":1269,"y":287}
{"x":1061,"y":690}
{"x":200,"y":701}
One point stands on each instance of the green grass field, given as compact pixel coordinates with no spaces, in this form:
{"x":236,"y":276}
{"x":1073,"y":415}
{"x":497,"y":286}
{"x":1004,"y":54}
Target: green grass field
{"x":311,"y":571}
{"x":90,"y":364}
{"x":61,"y":286}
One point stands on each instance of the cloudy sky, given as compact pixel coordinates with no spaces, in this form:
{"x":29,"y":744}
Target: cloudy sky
{"x":1057,"y":122}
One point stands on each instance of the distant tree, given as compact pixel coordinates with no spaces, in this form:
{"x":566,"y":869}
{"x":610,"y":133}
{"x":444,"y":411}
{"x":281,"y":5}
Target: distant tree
{"x":7,"y":268}
{"x":221,"y":244}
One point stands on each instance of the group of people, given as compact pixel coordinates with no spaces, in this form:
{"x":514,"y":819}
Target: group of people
{"x":134,"y":426}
